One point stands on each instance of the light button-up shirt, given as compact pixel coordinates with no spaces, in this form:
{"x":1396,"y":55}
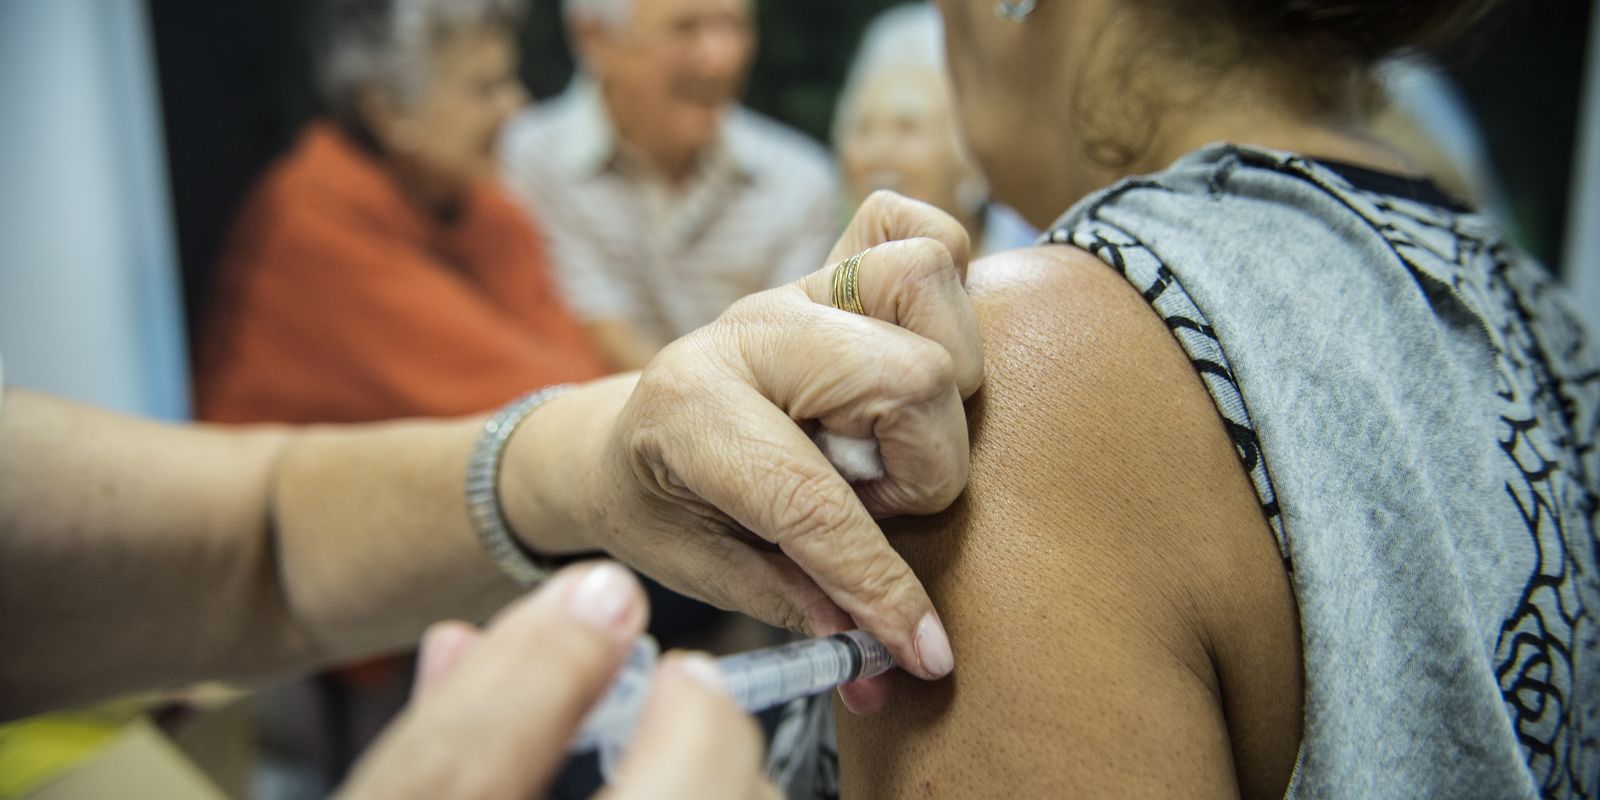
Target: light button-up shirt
{"x":759,"y":210}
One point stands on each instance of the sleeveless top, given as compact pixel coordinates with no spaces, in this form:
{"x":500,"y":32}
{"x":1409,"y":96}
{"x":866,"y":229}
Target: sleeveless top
{"x":1418,"y":415}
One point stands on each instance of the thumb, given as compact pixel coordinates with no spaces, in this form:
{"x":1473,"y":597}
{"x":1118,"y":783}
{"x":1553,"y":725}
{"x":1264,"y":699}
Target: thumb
{"x":511,"y":705}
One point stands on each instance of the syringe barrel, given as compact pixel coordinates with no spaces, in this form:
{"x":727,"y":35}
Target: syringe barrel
{"x":762,"y":679}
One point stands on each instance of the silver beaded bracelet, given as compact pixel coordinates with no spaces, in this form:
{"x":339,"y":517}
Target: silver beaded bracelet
{"x":483,"y":496}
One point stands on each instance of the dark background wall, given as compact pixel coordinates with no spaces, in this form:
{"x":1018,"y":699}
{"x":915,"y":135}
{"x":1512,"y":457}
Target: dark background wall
{"x":236,"y":86}
{"x":1522,"y":74}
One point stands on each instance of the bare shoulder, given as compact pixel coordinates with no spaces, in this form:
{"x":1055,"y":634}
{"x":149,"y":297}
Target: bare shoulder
{"x":1122,"y":623}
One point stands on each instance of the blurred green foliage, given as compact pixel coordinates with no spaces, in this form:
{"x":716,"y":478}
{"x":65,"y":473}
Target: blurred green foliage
{"x":804,"y":49}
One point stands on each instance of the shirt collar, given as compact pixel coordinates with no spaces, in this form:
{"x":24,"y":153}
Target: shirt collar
{"x":590,"y":139}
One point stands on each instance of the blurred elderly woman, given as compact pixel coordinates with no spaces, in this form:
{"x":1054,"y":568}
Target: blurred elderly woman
{"x":895,"y":128}
{"x":377,"y":271}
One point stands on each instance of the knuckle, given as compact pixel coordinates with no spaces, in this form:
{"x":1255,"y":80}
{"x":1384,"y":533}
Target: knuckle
{"x":770,"y":605}
{"x":877,"y":580}
{"x":883,"y":200}
{"x":927,"y":259}
{"x":804,"y":507}
{"x":771,"y":608}
{"x":943,"y":493}
{"x":916,"y":274}
{"x":951,"y":488}
{"x":662,"y":384}
{"x":922,"y":499}
{"x":746,"y":308}
{"x":790,"y":618}
{"x":919,"y":370}
{"x":759,"y":312}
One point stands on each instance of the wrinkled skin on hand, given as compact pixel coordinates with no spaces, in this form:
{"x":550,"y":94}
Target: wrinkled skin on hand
{"x":716,"y":488}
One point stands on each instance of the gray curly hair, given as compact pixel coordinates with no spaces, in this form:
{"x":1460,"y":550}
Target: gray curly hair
{"x":611,"y":12}
{"x":389,"y":44}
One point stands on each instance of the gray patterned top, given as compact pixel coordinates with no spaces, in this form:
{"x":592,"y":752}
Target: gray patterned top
{"x":1418,"y":413}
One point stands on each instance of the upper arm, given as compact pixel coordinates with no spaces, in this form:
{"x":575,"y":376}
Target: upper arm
{"x":1121,"y":621}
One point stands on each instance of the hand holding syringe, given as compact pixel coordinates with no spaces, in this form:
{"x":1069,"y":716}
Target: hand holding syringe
{"x":760,"y":679}
{"x":757,"y":680}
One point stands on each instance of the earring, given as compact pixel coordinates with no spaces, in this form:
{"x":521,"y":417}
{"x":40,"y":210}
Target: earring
{"x":1014,"y":10}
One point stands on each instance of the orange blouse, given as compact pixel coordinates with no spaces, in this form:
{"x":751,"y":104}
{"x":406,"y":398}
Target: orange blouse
{"x":338,"y":301}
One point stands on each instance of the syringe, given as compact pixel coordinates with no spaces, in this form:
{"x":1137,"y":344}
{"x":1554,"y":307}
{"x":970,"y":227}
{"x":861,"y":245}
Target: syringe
{"x":758,"y":680}
{"x":762,"y":679}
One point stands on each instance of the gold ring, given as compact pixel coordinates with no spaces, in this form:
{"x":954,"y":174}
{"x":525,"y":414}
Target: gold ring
{"x":847,"y":285}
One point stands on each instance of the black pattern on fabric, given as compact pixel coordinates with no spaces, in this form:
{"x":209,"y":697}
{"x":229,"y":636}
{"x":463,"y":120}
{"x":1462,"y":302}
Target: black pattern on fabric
{"x":1533,"y":657}
{"x":1551,"y":421}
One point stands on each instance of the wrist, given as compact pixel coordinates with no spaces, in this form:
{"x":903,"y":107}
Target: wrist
{"x":555,"y":477}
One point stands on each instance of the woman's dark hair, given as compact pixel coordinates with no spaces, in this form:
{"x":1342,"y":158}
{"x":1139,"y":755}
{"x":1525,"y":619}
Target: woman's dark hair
{"x":1319,"y":51}
{"x":1362,"y":30}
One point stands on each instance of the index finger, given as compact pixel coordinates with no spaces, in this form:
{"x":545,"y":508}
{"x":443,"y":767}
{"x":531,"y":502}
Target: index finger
{"x":889,"y":217}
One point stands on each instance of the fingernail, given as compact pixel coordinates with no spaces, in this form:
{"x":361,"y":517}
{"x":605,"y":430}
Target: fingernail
{"x":933,"y":647}
{"x":702,"y":670}
{"x":846,"y":698}
{"x":603,"y":598}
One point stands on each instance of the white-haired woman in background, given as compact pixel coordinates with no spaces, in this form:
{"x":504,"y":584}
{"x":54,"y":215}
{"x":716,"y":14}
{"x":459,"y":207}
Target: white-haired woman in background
{"x":378,"y":270}
{"x":895,"y":128}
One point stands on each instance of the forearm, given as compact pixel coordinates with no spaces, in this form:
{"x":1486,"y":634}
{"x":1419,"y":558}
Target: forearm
{"x":134,"y":554}
{"x":139,"y":555}
{"x":372,"y":526}
{"x":371,"y":534}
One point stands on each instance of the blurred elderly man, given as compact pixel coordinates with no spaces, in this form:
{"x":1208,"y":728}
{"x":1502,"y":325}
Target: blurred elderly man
{"x":664,"y":200}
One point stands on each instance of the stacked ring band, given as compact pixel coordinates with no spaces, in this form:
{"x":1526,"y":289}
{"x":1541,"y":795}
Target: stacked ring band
{"x":847,"y":285}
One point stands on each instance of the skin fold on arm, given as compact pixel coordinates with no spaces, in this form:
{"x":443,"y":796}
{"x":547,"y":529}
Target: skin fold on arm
{"x":1122,"y":621}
